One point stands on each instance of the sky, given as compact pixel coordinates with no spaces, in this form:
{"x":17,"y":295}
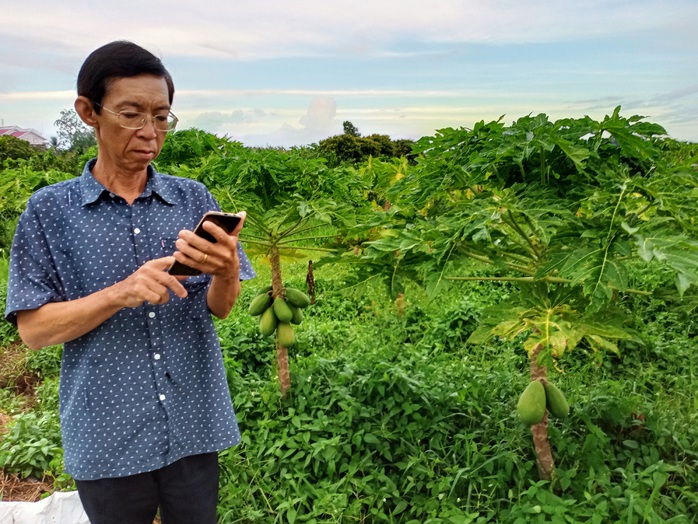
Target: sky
{"x":289,"y":73}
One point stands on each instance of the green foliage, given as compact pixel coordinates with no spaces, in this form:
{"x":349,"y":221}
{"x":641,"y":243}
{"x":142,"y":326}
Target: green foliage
{"x":33,"y":442}
{"x":351,"y":148}
{"x":46,"y":362}
{"x":13,"y":148}
{"x":17,"y":185}
{"x":384,"y":424}
{"x":350,"y":129}
{"x":188,"y":147}
{"x":574,"y":204}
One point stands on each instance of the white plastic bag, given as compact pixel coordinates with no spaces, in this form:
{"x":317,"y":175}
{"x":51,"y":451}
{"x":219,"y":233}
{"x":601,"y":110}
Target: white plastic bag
{"x":59,"y":508}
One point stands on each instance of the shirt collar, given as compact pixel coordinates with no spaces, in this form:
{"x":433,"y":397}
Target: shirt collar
{"x":92,"y":190}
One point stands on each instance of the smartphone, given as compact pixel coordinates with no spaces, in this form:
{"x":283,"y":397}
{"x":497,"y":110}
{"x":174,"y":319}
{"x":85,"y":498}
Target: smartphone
{"x":226,"y":221}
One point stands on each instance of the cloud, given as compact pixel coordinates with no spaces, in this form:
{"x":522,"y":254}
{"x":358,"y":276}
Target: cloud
{"x":277,"y":29}
{"x":320,"y":115}
{"x":316,"y":123}
{"x":677,"y":94}
{"x":37,"y":95}
{"x":216,"y":119}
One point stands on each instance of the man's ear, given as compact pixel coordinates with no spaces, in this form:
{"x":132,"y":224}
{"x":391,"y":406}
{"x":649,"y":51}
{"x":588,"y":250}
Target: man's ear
{"x":85,"y":110}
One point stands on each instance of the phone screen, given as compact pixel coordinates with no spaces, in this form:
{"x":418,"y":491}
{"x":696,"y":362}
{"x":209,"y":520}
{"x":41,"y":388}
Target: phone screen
{"x":226,"y":221}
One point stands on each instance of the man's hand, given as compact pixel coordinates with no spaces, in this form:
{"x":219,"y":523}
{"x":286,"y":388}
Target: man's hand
{"x":150,"y":283}
{"x":219,"y":259}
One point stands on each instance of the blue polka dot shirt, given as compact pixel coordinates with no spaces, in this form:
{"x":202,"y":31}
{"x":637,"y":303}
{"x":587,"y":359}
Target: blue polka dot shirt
{"x":147,"y":387}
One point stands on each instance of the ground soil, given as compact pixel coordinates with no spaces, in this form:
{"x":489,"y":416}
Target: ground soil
{"x":27,"y":490}
{"x":15,"y":377}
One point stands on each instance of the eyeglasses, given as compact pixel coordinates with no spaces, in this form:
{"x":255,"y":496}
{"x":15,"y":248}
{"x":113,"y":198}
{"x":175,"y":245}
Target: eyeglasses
{"x":163,"y":122}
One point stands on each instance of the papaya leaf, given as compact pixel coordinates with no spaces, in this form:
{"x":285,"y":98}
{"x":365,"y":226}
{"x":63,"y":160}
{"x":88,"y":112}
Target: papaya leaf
{"x":577,"y":154}
{"x":598,"y":343}
{"x":678,"y":253}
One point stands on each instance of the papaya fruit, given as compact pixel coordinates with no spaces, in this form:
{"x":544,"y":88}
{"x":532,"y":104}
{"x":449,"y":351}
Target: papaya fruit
{"x":282,"y":311}
{"x":285,"y":333}
{"x":268,"y":322}
{"x":297,"y":314}
{"x":296,"y":297}
{"x":259,"y":304}
{"x":531,"y":405}
{"x":555,"y":401}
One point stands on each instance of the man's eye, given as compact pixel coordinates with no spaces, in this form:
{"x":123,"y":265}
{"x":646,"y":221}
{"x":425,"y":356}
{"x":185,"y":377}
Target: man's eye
{"x":161,"y":119}
{"x":131,"y":116}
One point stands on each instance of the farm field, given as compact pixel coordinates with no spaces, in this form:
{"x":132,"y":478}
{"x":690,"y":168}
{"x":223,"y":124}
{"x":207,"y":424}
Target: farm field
{"x":444,"y":282}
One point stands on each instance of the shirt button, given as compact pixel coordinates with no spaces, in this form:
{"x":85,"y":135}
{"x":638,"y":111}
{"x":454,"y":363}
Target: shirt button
{"x":162,"y":397}
{"x":151,"y":314}
{"x":136,"y":231}
{"x":156,"y":356}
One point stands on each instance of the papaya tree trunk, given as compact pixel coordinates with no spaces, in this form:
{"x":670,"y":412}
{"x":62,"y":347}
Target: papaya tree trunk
{"x":544,"y":456}
{"x":277,"y":285}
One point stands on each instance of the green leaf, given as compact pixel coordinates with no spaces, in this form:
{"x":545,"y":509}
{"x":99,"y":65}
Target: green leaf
{"x":370,"y":438}
{"x":400,"y":507}
{"x":676,"y":252}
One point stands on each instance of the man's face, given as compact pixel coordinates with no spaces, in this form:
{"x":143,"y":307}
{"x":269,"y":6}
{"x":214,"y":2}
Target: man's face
{"x":131,"y":150}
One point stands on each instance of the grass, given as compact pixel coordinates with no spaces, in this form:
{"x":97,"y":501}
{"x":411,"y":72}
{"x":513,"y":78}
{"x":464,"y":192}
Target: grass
{"x":394,"y":418}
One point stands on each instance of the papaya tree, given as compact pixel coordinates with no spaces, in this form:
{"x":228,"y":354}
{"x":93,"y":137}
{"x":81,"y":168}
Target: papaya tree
{"x":568,"y":212}
{"x":294,"y":204}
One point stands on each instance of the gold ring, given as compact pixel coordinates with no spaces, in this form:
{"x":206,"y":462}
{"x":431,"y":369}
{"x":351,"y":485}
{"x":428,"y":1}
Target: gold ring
{"x":203,"y":260}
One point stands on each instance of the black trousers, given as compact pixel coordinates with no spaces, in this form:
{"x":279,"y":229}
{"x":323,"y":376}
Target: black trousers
{"x":186,"y":493}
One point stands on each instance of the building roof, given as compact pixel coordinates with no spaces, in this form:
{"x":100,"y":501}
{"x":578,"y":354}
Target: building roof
{"x":30,"y":135}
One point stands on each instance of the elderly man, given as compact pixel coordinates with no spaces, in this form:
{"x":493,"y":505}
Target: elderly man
{"x":144,"y":402}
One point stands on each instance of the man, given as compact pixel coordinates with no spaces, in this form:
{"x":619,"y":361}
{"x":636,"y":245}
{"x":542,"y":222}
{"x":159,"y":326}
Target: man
{"x":144,"y":403}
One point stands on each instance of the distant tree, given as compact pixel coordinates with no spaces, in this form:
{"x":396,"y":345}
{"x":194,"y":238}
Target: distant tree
{"x":385,"y":145}
{"x":403,"y":147}
{"x":350,"y":129}
{"x":15,"y":148}
{"x":353,"y":149}
{"x":341,"y":148}
{"x":73,"y":134}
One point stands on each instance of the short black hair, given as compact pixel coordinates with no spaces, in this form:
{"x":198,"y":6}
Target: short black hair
{"x":120,"y":59}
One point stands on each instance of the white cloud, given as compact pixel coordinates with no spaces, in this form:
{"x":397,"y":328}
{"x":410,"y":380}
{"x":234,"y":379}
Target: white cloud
{"x":275,"y":28}
{"x":285,"y":128}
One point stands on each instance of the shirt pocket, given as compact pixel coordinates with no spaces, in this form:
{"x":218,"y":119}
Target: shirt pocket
{"x":167,"y":247}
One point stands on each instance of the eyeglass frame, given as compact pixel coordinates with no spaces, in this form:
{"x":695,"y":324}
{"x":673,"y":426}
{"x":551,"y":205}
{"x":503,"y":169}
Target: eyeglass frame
{"x":145,"y":116}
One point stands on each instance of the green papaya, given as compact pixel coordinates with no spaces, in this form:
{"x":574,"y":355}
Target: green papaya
{"x":296,"y":297}
{"x":285,"y":333}
{"x":268,"y":322}
{"x":259,"y":304}
{"x":282,"y":311}
{"x":531,"y":405}
{"x":555,"y":401}
{"x":297,"y":314}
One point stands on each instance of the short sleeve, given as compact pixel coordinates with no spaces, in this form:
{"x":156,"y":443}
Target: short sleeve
{"x":33,"y":280}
